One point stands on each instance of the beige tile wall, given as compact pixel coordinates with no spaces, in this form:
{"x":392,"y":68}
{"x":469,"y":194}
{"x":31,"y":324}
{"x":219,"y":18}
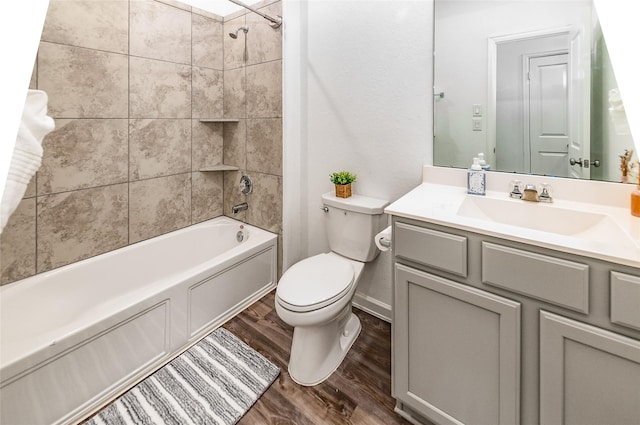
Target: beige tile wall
{"x":253,"y":93}
{"x":127,"y":81}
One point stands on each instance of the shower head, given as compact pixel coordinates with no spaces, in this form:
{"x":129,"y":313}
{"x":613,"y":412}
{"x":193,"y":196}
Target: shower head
{"x":234,"y":34}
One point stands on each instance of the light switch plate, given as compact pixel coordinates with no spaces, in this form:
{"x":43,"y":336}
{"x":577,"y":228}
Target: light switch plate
{"x":477,"y":124}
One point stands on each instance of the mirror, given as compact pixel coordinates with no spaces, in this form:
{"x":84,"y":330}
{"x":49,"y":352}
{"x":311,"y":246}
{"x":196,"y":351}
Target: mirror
{"x":529,"y":84}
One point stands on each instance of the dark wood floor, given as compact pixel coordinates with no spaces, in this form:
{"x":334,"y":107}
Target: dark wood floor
{"x":359,"y":392}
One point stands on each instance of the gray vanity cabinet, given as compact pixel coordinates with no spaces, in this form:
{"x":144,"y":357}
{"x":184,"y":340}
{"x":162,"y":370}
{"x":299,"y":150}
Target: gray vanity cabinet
{"x":457,"y":350}
{"x":587,"y":375}
{"x":491,"y":331}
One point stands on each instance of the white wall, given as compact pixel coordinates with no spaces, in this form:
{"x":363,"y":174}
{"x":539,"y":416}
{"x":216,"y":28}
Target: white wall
{"x":357,"y":96}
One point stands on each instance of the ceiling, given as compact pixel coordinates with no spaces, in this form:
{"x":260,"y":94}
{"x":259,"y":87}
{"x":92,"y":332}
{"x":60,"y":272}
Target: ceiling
{"x":219,"y":7}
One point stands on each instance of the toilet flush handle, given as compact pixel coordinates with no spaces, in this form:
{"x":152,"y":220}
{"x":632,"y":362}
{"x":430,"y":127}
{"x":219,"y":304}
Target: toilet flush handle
{"x":325,"y":209}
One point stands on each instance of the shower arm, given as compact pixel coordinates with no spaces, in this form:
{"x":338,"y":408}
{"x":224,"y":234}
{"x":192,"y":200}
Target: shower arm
{"x":275,"y":22}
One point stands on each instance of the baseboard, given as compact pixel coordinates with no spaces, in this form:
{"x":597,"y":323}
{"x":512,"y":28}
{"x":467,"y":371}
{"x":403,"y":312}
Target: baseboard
{"x":372,"y":306}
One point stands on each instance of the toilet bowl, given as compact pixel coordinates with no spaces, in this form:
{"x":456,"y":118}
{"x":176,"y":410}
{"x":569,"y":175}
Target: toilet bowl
{"x":315,"y":294}
{"x":324,"y":326}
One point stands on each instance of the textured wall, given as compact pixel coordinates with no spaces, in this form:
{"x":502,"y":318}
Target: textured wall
{"x":358,"y":98}
{"x":127,"y":82}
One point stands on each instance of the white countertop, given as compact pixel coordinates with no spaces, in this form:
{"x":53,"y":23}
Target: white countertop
{"x":440,"y":204}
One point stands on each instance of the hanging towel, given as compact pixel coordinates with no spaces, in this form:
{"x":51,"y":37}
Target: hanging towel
{"x":27,"y":153}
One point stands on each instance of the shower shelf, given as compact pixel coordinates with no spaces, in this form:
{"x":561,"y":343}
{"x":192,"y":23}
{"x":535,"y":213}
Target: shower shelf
{"x":222,"y":120}
{"x":220,"y":168}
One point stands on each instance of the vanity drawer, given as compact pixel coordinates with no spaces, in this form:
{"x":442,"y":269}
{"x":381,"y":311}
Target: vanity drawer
{"x":561,"y":282}
{"x":441,"y":250}
{"x":625,"y":300}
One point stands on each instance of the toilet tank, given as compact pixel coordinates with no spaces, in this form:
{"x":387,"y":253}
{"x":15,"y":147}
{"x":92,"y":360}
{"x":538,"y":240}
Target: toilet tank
{"x":351,"y":223}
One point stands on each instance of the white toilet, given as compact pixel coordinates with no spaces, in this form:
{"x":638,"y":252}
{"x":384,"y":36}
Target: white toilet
{"x":314,"y":295}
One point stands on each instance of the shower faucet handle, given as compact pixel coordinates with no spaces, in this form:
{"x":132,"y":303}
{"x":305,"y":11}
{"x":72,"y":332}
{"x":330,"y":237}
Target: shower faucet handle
{"x":246,"y":185}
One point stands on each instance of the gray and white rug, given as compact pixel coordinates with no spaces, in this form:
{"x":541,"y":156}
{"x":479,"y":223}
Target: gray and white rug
{"x":214,"y":382}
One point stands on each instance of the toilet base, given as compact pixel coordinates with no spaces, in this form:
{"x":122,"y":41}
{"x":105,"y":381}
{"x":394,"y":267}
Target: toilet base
{"x":317,"y":351}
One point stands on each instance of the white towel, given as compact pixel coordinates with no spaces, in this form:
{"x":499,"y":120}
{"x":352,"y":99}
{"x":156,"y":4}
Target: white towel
{"x":27,"y":153}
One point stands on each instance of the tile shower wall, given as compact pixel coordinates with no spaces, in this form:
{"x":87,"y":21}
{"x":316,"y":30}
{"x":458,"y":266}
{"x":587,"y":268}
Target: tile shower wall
{"x":253,"y":94}
{"x":127,"y":82}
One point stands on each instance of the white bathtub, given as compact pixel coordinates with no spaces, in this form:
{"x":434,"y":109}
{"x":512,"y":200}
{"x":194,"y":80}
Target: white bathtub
{"x":75,"y":337}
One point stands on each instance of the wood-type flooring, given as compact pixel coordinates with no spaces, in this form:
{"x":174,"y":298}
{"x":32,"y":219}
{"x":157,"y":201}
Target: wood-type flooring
{"x":359,"y":392}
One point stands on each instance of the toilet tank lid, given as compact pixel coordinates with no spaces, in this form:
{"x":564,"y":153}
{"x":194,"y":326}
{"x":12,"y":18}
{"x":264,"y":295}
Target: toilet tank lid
{"x":355,"y":203}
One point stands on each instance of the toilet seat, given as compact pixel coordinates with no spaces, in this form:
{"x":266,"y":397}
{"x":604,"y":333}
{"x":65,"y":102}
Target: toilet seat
{"x":315,"y":282}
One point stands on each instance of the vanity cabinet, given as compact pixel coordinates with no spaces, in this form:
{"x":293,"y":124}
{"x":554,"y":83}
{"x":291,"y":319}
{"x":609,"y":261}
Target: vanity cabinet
{"x":493,"y":331}
{"x":457,"y":350}
{"x":587,"y":375}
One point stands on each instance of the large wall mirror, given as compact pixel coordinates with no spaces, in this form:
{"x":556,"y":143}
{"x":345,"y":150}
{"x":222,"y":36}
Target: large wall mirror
{"x":529,"y":84}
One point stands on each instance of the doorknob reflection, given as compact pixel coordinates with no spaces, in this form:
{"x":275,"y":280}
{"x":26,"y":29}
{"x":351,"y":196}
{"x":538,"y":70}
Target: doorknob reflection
{"x":584,"y":162}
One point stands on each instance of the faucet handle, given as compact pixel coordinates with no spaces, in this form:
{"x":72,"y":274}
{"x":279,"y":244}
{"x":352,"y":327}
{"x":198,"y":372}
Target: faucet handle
{"x":515,"y":189}
{"x":546,"y":192}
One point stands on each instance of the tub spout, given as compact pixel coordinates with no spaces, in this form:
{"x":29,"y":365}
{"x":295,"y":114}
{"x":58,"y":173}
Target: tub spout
{"x":240,"y":207}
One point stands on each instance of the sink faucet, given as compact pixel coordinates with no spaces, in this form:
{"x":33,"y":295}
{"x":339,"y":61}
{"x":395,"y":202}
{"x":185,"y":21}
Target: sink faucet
{"x":240,"y":207}
{"x":530,"y":193}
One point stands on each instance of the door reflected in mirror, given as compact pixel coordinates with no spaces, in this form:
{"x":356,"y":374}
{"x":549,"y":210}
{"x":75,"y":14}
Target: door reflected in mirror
{"x":529,"y":84}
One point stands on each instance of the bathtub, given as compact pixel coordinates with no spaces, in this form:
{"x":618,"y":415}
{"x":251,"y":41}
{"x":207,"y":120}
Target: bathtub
{"x":73,"y":338}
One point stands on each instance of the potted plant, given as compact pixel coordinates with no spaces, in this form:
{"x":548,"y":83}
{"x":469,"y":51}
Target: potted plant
{"x":342,"y":180}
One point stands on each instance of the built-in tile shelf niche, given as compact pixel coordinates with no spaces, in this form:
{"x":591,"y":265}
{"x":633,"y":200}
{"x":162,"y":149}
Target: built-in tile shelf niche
{"x":219,"y":120}
{"x":220,"y":167}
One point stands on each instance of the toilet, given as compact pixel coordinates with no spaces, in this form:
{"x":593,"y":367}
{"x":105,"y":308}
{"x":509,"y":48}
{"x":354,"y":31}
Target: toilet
{"x":314,"y":295}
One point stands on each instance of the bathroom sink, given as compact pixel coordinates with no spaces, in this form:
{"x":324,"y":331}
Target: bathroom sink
{"x":584,"y":219}
{"x":590,"y":226}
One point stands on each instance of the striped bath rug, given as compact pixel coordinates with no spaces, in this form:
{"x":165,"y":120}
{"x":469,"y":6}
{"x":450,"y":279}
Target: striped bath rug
{"x":214,"y":382}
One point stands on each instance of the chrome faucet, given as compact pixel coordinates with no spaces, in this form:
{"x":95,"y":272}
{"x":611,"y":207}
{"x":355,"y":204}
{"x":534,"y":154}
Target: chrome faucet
{"x":515,"y":190}
{"x":240,"y":207}
{"x":545,"y":196}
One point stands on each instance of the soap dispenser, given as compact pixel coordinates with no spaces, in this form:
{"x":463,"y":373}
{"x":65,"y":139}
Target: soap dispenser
{"x":476,"y":179}
{"x":483,"y":163}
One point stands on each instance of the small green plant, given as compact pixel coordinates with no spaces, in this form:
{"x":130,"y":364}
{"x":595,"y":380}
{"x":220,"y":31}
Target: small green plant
{"x":342,"y":177}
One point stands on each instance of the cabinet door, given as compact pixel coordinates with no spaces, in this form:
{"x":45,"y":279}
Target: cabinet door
{"x":587,"y":375}
{"x":456,"y":350}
